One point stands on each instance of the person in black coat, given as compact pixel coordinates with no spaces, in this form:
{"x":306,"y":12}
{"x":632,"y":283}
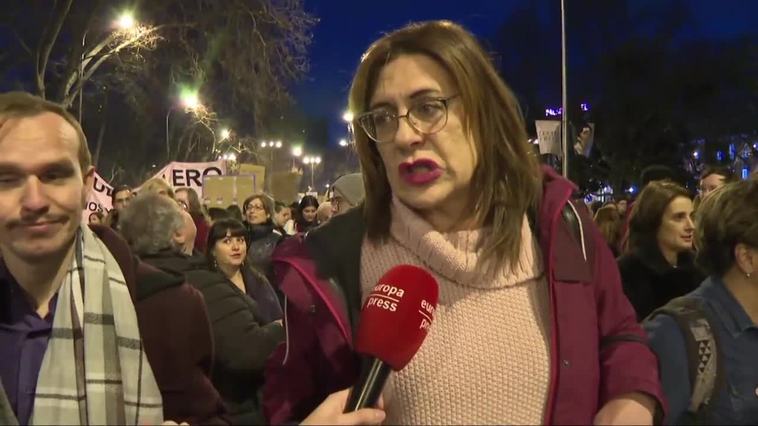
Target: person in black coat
{"x":659,"y":263}
{"x":243,"y":338}
{"x":263,"y":237}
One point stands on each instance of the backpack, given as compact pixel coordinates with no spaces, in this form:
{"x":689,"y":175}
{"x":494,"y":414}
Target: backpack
{"x":704,"y":363}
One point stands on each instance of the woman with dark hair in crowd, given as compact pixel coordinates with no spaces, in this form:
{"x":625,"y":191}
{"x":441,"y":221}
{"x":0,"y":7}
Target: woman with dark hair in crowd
{"x":254,"y":326}
{"x":723,"y":353}
{"x":235,"y":212}
{"x":263,"y":237}
{"x":608,"y":221}
{"x":532,"y":326}
{"x":658,"y":266}
{"x":189,"y":197}
{"x":306,"y":217}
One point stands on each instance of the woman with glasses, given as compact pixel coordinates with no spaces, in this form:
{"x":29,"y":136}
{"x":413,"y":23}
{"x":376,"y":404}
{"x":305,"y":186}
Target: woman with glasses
{"x":532,"y":325}
{"x":263,"y":237}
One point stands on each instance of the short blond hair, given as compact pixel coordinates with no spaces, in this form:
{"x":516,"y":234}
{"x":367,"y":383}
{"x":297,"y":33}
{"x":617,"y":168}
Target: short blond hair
{"x":157,"y":185}
{"x":22,"y":104}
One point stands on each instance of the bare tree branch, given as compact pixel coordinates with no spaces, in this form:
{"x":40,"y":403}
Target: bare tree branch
{"x":46,"y":45}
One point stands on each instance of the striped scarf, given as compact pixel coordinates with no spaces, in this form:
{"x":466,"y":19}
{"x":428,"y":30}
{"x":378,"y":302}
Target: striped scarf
{"x":95,"y":326}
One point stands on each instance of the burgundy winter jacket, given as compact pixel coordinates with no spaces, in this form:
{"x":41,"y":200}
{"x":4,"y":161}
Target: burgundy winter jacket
{"x":598,"y":350}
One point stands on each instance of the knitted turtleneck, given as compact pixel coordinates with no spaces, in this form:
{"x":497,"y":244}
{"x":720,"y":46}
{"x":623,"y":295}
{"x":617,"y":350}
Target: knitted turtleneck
{"x":486,"y":357}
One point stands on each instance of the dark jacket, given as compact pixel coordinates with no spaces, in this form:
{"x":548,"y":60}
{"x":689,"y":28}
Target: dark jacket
{"x":650,"y":281}
{"x":241,"y":340}
{"x":262,"y":240}
{"x":598,"y":350}
{"x":175,"y":331}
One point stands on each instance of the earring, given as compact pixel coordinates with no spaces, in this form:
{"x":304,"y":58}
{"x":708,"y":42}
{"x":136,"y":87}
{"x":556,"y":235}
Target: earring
{"x":747,"y":274}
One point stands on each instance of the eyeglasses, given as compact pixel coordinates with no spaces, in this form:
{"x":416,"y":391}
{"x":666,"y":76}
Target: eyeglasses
{"x":427,"y":117}
{"x":251,"y":207}
{"x":337,"y":201}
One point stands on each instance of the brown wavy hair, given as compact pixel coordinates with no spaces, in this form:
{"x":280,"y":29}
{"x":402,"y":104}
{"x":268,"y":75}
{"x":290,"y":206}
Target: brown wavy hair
{"x":507,"y":181}
{"x":647,"y":213}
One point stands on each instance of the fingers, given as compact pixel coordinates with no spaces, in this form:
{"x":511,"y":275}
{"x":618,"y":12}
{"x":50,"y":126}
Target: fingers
{"x":364,"y":416}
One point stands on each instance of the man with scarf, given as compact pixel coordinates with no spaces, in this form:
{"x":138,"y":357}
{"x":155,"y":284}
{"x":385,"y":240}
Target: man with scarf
{"x":70,"y":345}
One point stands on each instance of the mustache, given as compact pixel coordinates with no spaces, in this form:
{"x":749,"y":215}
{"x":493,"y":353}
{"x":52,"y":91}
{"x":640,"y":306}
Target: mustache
{"x":36,"y":219}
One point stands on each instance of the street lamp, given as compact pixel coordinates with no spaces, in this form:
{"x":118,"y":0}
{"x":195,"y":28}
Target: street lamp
{"x":347,"y":116}
{"x":297,"y":152}
{"x":313,"y":161}
{"x":343,"y":143}
{"x":225,"y":133}
{"x":126,"y":21}
{"x":272,"y":145}
{"x":190,"y":100}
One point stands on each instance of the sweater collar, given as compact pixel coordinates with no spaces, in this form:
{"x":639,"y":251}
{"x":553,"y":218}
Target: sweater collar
{"x":456,"y":255}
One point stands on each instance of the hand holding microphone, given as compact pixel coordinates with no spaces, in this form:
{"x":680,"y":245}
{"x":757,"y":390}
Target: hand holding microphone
{"x":394,"y":322}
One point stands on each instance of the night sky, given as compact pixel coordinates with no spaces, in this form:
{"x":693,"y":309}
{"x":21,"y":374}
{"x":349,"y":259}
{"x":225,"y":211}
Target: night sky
{"x":346,"y":29}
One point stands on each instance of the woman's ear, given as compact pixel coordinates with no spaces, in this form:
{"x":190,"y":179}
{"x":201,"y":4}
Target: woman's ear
{"x":745,"y":258}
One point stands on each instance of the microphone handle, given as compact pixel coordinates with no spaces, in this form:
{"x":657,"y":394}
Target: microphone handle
{"x":368,"y":388}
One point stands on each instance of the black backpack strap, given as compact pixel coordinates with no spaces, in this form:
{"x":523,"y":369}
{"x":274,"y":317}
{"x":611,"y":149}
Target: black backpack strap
{"x":704,"y":363}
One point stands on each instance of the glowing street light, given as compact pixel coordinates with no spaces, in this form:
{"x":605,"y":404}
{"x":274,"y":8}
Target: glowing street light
{"x":348,"y":116}
{"x":312,"y":161}
{"x":343,"y":143}
{"x":190,"y":99}
{"x":225,"y":133}
{"x":297,"y":151}
{"x":278,"y":144}
{"x":126,"y":21}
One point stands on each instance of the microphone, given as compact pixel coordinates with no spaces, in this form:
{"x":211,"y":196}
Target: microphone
{"x":394,"y":322}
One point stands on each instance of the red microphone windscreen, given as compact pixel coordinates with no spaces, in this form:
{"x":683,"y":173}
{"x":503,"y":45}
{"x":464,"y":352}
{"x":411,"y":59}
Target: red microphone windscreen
{"x":396,"y":315}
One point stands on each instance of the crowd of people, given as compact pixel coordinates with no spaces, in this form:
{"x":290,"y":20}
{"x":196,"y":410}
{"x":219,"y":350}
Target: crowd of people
{"x":169,"y":310}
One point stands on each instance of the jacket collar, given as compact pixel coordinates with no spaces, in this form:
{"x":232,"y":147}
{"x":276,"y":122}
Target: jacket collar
{"x":650,"y":255}
{"x":726,"y":306}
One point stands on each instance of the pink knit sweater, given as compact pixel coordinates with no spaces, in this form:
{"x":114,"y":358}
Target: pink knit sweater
{"x":486,"y":358}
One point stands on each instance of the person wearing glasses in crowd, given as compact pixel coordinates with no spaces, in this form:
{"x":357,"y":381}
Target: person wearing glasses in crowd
{"x":263,"y":237}
{"x":532,"y":325}
{"x":347,"y":192}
